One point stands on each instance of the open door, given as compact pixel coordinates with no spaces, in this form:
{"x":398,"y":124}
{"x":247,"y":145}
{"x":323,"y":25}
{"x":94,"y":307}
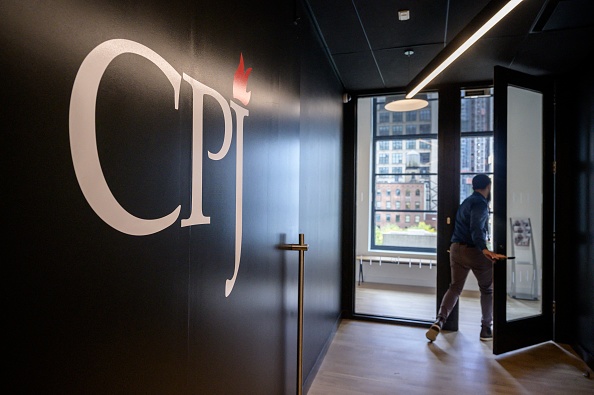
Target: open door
{"x":523,"y":205}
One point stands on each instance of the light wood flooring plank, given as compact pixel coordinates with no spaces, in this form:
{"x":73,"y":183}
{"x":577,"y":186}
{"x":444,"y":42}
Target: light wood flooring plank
{"x":376,"y":358}
{"x":412,"y":302}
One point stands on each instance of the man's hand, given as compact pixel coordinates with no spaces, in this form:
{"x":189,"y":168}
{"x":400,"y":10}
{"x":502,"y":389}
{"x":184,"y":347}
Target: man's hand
{"x":493,"y":256}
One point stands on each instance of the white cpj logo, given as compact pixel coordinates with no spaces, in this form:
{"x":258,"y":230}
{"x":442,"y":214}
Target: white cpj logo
{"x":85,"y":157}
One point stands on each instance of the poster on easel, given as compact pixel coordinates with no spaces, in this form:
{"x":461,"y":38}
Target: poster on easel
{"x":524,"y":271}
{"x":521,"y":231}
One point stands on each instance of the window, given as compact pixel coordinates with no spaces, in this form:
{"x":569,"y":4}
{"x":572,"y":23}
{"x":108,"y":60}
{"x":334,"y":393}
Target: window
{"x":476,"y":141}
{"x":425,"y":157}
{"x":378,"y":195}
{"x":425,"y":114}
{"x":406,"y":165}
{"x":407,"y":226}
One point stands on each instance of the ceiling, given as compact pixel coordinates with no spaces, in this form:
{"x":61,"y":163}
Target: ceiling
{"x":366,"y":41}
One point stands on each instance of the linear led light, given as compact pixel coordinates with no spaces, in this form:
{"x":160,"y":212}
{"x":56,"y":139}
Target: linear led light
{"x":506,"y":9}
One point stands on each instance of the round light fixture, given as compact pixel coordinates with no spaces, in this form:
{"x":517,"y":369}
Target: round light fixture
{"x":406,"y":105}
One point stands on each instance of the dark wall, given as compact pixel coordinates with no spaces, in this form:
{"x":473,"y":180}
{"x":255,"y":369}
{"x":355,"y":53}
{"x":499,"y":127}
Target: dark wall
{"x":320,"y":208}
{"x":575,"y":212}
{"x":92,"y":309}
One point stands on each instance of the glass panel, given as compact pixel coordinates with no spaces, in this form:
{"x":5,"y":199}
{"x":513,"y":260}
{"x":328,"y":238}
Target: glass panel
{"x":476,"y":156}
{"x":524,"y":203}
{"x":396,"y":210}
{"x":476,"y":111}
{"x":406,"y":212}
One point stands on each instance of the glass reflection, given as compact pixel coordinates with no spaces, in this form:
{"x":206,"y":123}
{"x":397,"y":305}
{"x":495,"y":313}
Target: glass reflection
{"x":524,"y":203}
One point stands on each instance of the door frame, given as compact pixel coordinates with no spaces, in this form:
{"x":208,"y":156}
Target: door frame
{"x":513,"y":335}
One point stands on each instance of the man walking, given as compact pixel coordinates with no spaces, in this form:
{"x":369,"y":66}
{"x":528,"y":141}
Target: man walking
{"x":469,"y":251}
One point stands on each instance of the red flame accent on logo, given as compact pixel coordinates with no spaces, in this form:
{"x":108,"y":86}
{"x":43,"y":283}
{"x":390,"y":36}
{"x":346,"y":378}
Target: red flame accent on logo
{"x":240,"y":83}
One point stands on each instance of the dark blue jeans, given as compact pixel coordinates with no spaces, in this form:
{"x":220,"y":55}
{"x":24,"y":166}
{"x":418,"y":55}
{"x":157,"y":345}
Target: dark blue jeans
{"x":462,"y":260}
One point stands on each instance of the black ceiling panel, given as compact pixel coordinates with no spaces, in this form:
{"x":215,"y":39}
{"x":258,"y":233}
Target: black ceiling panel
{"x":358,"y":71}
{"x":570,"y":14}
{"x":562,"y":53}
{"x":340,"y":25}
{"x":542,"y":37}
{"x":395,"y":66}
{"x":478,"y":62}
{"x":460,"y":13}
{"x":384,"y":30}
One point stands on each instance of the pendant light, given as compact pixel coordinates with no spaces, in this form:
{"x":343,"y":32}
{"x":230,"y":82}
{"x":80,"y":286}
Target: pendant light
{"x":407,"y":104}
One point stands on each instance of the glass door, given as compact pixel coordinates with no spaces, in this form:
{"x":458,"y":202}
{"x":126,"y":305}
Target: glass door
{"x":523,"y":211}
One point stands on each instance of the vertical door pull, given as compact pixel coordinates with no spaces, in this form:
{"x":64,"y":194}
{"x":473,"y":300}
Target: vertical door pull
{"x":301,"y":247}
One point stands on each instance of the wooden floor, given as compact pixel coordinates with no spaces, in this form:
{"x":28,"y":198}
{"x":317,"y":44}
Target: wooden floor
{"x":419,"y":303}
{"x":375,"y":358}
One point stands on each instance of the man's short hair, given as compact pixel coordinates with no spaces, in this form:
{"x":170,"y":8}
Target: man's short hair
{"x":480,"y":181}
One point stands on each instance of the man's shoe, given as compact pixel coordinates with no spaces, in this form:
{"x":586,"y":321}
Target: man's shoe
{"x":434,"y":331}
{"x":486,"y":333}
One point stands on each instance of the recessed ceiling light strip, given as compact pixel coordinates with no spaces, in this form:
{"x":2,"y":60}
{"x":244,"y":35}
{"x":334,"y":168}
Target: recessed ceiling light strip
{"x":506,"y":9}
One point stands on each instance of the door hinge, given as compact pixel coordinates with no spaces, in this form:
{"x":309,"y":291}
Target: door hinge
{"x":555,"y":167}
{"x":554,"y":307}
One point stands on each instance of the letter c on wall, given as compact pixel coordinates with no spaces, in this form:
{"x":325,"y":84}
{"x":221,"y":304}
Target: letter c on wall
{"x":83,"y":141}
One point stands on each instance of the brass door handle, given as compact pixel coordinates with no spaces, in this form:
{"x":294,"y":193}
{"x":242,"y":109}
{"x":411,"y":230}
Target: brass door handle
{"x":296,"y":247}
{"x":301,"y":247}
